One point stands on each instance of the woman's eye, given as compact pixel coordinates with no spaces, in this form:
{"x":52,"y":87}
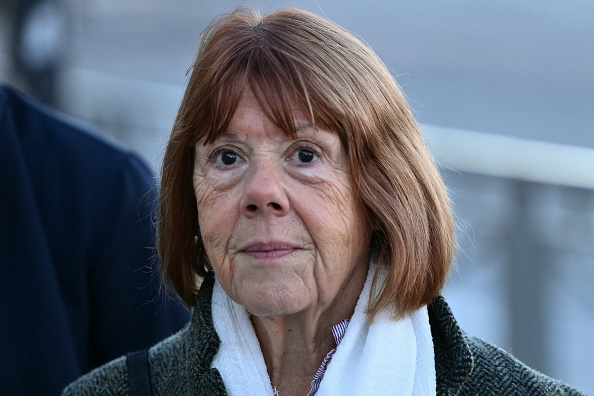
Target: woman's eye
{"x":228,"y":158}
{"x":224,"y":157}
{"x":306,"y":155}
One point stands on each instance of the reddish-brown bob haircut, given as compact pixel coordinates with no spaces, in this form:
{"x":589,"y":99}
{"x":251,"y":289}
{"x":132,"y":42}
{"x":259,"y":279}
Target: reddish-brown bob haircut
{"x":294,"y":59}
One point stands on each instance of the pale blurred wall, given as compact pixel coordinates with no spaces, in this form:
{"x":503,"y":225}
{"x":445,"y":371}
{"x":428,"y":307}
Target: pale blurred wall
{"x":507,"y":68}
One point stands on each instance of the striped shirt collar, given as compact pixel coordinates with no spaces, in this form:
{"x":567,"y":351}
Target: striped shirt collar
{"x":338,"y":332}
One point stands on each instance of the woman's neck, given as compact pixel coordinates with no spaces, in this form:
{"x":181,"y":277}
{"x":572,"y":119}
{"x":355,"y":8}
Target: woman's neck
{"x":292,"y":352}
{"x":294,"y":346}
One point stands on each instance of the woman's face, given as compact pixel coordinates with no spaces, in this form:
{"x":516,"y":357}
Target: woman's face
{"x":278,"y":216}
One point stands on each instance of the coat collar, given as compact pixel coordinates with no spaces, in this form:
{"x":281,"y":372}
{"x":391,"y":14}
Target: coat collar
{"x":202,"y":344}
{"x":453,"y":356}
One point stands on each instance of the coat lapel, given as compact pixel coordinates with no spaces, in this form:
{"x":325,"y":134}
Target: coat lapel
{"x":203,"y":344}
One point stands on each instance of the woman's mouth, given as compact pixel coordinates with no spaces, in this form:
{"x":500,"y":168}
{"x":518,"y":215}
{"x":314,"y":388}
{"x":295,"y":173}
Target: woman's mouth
{"x":269,"y":250}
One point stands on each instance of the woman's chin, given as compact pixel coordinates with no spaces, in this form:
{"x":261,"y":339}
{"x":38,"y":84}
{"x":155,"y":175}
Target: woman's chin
{"x":267,"y":301}
{"x":274,"y":290}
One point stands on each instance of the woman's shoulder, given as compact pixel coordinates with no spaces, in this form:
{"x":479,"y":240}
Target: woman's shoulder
{"x":165,"y":359}
{"x":469,"y":365}
{"x":495,"y":368}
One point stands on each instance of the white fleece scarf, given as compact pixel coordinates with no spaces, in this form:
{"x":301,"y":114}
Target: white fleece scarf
{"x":384,"y":358}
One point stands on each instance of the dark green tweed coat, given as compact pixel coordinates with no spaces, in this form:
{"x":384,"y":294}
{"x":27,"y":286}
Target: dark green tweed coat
{"x":180,"y":365}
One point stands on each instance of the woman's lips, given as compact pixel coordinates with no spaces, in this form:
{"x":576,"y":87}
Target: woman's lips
{"x":269,"y":250}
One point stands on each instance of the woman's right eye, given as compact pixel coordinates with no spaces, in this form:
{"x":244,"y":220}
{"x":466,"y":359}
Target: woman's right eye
{"x":224,"y":157}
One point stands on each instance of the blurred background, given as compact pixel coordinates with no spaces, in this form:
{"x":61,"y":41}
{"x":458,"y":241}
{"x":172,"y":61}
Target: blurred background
{"x":504,"y":92}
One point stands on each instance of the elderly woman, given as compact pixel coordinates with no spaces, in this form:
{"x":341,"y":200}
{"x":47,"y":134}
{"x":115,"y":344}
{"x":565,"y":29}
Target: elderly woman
{"x":305,"y":221}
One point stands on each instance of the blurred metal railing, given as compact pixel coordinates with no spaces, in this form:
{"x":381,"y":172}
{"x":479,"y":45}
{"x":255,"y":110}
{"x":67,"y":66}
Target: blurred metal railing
{"x":525,"y":212}
{"x":512,"y":157}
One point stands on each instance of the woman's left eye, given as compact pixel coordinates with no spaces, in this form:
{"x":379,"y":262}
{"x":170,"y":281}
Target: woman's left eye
{"x":305,"y":155}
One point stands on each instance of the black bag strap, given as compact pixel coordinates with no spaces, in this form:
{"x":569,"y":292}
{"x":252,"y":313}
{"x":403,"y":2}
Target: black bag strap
{"x":138,"y":373}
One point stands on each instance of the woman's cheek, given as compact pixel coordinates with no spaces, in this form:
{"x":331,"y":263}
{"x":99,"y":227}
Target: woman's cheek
{"x":212,"y":201}
{"x":215,"y":206}
{"x":216,"y":230}
{"x":223,"y":180}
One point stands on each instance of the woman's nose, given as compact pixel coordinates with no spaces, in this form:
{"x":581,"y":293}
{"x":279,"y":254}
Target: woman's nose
{"x":264,"y":193}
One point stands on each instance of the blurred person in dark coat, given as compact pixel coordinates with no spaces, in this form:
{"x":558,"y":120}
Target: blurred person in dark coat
{"x":76,"y":276}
